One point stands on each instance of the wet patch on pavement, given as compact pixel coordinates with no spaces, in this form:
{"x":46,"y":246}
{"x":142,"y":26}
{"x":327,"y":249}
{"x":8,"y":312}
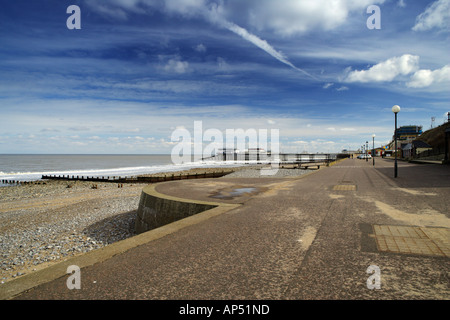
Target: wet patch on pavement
{"x":231,"y":193}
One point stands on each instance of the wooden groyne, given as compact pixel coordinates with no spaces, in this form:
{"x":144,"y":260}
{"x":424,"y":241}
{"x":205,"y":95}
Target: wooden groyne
{"x":139,"y":179}
{"x":18,"y":182}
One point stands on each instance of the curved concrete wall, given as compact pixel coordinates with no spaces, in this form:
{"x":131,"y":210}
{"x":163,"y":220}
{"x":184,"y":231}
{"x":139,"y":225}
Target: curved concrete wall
{"x":156,"y":209}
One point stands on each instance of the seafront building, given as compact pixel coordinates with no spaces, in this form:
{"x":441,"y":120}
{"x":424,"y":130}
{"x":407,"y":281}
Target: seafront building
{"x":405,"y":135}
{"x":413,"y":143}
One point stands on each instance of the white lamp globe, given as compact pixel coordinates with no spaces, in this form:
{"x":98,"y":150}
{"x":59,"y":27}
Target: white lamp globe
{"x":396,"y":109}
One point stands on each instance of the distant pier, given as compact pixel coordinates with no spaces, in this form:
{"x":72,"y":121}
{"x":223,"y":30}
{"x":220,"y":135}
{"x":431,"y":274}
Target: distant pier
{"x":231,"y":155}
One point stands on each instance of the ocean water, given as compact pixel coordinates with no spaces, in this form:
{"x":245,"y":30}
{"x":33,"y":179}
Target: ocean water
{"x":32,"y":167}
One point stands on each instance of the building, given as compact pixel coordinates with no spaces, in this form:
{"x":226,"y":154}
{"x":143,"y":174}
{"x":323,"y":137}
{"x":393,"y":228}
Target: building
{"x":410,"y":150}
{"x":378,"y":152}
{"x":408,"y":133}
{"x":405,"y":135}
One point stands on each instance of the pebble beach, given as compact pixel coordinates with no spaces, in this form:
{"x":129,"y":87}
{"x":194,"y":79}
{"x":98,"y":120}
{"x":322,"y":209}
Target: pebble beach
{"x":50,"y":221}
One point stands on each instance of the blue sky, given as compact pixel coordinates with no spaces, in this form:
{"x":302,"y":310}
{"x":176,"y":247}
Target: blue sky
{"x":139,"y":69}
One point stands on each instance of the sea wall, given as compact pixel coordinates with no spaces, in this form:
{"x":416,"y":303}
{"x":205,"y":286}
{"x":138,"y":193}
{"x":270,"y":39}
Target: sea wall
{"x":156,"y":209}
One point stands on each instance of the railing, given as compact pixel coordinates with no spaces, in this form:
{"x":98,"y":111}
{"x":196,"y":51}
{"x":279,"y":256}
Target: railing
{"x":265,"y":158}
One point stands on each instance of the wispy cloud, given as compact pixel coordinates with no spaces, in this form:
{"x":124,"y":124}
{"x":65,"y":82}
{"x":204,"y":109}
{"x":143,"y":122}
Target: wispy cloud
{"x":436,"y":15}
{"x":200,"y":48}
{"x":177,"y":66}
{"x":264,"y":45}
{"x":79,"y":128}
{"x":401,"y":3}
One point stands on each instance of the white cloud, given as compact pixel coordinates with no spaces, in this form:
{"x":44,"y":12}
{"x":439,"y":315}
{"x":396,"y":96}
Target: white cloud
{"x":285,"y":17}
{"x":50,"y":130}
{"x":175,"y":65}
{"x":401,"y":3}
{"x":289,"y":17}
{"x":387,"y":70}
{"x":79,"y":128}
{"x":437,"y":15}
{"x":327,"y":85}
{"x":343,"y":88}
{"x":425,"y":78}
{"x":118,"y":8}
{"x":200,"y":48}
{"x":184,"y":7}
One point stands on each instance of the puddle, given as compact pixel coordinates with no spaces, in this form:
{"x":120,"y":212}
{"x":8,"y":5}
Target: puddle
{"x":233,"y":193}
{"x":240,"y":191}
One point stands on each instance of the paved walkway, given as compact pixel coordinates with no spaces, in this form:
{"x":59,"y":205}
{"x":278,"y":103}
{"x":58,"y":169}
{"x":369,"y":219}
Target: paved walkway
{"x":312,"y":237}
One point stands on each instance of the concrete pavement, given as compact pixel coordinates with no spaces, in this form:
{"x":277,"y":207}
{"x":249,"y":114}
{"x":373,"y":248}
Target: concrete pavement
{"x":312,"y":237}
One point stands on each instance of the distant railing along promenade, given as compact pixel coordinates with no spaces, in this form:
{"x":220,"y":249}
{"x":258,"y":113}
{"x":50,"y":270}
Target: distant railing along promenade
{"x":268,"y":158}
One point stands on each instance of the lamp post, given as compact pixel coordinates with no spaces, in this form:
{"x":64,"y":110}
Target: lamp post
{"x":373,"y":149}
{"x":367,"y":151}
{"x":395,"y":110}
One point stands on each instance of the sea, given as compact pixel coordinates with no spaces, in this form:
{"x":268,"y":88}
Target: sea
{"x":31,"y":167}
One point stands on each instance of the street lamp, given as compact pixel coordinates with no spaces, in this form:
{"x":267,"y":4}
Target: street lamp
{"x":395,"y":110}
{"x":367,"y":151}
{"x":373,"y":149}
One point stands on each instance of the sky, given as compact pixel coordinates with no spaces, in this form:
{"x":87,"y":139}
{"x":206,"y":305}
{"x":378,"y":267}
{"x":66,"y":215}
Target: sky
{"x":325,"y":73}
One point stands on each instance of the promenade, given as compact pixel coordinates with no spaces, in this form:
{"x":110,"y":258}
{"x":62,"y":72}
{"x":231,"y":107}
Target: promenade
{"x":311,"y":237}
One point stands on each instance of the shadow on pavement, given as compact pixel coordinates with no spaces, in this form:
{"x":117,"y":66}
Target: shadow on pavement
{"x":419,"y":175}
